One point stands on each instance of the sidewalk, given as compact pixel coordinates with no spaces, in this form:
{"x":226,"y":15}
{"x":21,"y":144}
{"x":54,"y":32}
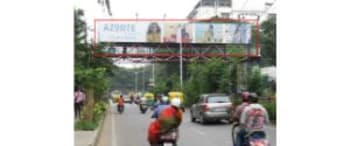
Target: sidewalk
{"x":89,"y":138}
{"x":85,"y":138}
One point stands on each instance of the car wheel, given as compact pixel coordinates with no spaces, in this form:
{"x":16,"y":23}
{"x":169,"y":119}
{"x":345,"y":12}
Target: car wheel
{"x":202,"y":120}
{"x":192,"y":118}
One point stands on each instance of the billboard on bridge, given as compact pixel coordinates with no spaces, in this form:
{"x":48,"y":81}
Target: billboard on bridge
{"x":173,"y":32}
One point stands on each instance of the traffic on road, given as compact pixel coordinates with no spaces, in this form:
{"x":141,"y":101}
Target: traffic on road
{"x":135,"y":126}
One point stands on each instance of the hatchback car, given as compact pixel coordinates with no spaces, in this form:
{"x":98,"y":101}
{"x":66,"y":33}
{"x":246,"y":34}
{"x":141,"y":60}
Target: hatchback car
{"x":212,"y":107}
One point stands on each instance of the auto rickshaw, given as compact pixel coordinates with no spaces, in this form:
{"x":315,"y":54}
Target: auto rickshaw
{"x":149,"y":98}
{"x":146,"y":101}
{"x":180,"y":95}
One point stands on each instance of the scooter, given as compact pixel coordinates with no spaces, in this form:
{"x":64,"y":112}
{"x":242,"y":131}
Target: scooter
{"x":256,"y":138}
{"x":143,"y":108}
{"x":169,"y":139}
{"x":137,"y":100}
{"x":234,"y":132}
{"x":120,"y":109}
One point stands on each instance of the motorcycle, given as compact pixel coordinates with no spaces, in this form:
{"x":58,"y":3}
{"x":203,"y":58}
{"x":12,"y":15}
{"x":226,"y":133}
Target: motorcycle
{"x":137,"y":100}
{"x":234,"y":132}
{"x":143,"y":108}
{"x":169,"y":139}
{"x":256,"y":138}
{"x":120,"y":109}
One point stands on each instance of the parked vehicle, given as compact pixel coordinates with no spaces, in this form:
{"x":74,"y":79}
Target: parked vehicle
{"x":212,"y":107}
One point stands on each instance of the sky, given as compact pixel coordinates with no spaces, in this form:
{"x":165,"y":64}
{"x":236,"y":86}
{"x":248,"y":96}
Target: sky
{"x":155,"y":9}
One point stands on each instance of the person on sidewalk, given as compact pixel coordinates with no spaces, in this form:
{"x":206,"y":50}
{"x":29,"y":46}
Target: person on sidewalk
{"x":169,"y":118}
{"x":79,"y":99}
{"x":253,"y":118}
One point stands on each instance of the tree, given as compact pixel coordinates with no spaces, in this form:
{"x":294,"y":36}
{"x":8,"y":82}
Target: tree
{"x":268,"y":41}
{"x":215,"y":75}
{"x":89,"y":72}
{"x":255,"y":82}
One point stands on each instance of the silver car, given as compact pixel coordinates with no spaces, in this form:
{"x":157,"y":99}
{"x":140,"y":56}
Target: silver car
{"x":212,"y":107}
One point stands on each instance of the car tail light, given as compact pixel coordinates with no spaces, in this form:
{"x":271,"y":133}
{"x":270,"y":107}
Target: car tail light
{"x":204,"y":108}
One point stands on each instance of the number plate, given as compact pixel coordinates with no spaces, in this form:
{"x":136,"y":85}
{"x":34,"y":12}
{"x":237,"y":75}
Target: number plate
{"x":168,"y":144}
{"x":220,"y":109}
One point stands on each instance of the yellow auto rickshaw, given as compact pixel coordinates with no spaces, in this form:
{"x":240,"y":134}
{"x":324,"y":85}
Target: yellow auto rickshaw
{"x":180,"y":95}
{"x":149,"y":98}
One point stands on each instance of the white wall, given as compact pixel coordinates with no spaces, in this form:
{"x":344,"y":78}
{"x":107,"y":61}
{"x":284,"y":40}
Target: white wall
{"x":207,"y":12}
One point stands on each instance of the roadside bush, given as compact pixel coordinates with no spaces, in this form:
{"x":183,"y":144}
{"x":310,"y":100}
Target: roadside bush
{"x":271,"y":109}
{"x":85,"y":125}
{"x":98,"y":112}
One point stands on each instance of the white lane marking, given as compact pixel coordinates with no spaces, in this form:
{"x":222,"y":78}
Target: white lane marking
{"x":197,"y":131}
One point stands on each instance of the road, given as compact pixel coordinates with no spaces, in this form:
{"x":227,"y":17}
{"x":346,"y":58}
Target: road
{"x":130,"y":129}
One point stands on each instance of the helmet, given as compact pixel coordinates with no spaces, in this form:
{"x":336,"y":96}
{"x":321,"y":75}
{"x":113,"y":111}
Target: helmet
{"x":245,"y":95}
{"x":253,"y":97}
{"x":175,"y":102}
{"x":164,"y":99}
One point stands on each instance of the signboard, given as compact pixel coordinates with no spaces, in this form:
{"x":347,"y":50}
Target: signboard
{"x":173,"y":32}
{"x":208,"y":33}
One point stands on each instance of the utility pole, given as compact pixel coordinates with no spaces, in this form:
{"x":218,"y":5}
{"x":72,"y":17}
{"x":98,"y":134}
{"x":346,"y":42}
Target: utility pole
{"x":143,"y":79}
{"x":153,"y":71}
{"x":136,"y":81}
{"x":181,"y":79}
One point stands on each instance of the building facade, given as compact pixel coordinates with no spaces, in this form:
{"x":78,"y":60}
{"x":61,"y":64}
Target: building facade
{"x":211,"y":8}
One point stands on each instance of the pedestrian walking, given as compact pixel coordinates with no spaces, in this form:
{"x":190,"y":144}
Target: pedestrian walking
{"x":79,"y":98}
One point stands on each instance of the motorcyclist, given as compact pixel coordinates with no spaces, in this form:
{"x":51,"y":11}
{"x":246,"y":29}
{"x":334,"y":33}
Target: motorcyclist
{"x":169,"y":118}
{"x":121,"y":101}
{"x":239,"y":109}
{"x":164,"y":102}
{"x":254,"y":117}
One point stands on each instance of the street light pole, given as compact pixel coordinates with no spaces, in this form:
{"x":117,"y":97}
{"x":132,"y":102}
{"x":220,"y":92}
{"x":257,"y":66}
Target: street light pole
{"x":153,"y":71}
{"x":136,"y":82}
{"x":181,"y":82}
{"x":143,"y":79}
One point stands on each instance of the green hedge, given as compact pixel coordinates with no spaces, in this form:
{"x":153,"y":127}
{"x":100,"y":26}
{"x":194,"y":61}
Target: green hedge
{"x":271,"y":109}
{"x":85,"y":125}
{"x":99,"y":110}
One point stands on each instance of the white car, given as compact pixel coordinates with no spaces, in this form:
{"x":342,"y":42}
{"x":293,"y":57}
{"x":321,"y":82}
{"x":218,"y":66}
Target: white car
{"x":212,"y":107}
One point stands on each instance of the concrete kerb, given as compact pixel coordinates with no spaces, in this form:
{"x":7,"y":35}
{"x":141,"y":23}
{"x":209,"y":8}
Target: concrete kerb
{"x":99,"y":129}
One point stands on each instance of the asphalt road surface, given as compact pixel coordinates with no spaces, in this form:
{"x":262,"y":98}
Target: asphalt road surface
{"x":130,"y":129}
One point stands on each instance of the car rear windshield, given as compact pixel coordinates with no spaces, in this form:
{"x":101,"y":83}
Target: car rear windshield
{"x":218,"y":99}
